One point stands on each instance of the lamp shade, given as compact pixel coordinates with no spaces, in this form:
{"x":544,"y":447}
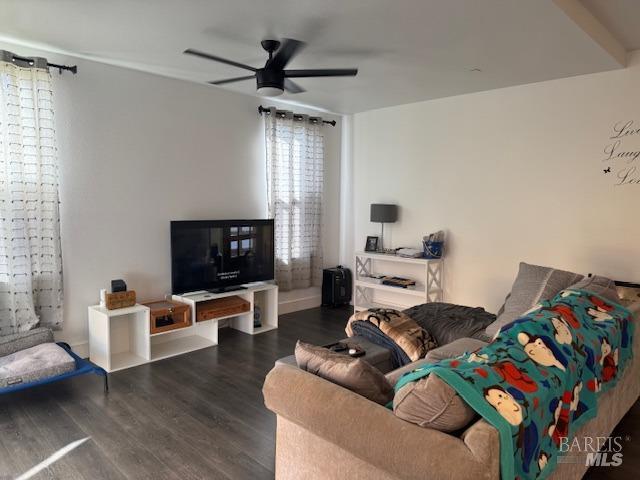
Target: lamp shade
{"x":384,"y":213}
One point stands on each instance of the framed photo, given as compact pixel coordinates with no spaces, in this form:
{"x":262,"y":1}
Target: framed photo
{"x":372,"y":244}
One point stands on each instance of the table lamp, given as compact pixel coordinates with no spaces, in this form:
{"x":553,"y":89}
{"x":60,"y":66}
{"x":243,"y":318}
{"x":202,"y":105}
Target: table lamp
{"x":383,"y":213}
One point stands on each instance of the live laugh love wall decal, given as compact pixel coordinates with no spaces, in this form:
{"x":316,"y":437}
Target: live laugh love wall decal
{"x":622,"y":153}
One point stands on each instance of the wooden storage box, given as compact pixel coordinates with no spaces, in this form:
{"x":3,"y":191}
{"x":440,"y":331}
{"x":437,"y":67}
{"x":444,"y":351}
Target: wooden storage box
{"x":117,"y":300}
{"x":166,"y":315}
{"x":221,"y":307}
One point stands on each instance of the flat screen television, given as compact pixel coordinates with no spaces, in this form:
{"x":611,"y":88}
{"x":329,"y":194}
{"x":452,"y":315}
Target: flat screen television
{"x":220,"y":255}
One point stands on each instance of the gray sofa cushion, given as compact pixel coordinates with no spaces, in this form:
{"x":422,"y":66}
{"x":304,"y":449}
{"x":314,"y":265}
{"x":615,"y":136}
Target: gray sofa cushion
{"x":35,"y":363}
{"x":533,"y":284}
{"x":20,"y":341}
{"x":600,"y":285}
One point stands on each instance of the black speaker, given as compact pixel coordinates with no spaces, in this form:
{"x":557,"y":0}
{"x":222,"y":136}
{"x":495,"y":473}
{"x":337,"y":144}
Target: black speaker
{"x":336,"y":286}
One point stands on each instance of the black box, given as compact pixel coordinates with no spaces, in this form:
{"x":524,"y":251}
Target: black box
{"x":336,"y":286}
{"x":118,"y":286}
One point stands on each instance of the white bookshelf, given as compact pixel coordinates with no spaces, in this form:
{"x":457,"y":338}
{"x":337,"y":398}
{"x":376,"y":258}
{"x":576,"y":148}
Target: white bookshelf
{"x":121,"y":338}
{"x":427,"y":273}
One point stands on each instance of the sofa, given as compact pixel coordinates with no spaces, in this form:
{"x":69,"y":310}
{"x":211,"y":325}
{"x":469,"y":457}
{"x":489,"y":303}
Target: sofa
{"x":326,"y":431}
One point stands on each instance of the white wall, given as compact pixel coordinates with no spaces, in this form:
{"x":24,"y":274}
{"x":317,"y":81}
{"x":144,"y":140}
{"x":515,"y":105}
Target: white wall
{"x":513,"y":175}
{"x":138,"y":150}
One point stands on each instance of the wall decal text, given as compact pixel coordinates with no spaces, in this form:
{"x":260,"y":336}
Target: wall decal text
{"x":622,"y":153}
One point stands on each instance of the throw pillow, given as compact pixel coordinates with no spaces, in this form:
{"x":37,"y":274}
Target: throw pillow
{"x":351,"y":373}
{"x":533,"y":284}
{"x":432,"y":403}
{"x":601,"y":285}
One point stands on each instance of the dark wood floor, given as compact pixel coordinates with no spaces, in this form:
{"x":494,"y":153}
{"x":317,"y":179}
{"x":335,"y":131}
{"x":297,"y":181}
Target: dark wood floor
{"x":197,"y":416}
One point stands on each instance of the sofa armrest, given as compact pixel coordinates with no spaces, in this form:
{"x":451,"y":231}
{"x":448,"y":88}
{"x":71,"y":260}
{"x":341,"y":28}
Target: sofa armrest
{"x":374,"y":434}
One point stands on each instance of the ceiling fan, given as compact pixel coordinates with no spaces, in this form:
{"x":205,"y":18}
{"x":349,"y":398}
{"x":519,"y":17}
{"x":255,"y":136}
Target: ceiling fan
{"x":273,"y":79}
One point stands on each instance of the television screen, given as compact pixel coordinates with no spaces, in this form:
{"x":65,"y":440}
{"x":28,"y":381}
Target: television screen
{"x":215,"y":254}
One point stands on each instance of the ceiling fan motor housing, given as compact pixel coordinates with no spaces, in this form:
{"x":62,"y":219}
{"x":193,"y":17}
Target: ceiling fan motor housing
{"x":270,"y":78}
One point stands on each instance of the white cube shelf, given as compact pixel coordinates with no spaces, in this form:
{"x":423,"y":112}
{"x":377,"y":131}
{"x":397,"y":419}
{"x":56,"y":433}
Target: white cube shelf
{"x":121,"y":338}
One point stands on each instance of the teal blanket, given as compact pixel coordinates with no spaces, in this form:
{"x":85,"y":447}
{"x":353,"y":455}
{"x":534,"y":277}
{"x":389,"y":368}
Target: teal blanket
{"x":540,"y":379}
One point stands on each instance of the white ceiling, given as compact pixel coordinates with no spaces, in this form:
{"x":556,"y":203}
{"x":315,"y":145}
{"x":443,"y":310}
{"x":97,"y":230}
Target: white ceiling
{"x":621,"y":17}
{"x":406,"y":50}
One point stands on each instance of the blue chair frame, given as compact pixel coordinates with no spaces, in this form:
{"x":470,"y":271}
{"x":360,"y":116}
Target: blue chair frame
{"x":82,"y":367}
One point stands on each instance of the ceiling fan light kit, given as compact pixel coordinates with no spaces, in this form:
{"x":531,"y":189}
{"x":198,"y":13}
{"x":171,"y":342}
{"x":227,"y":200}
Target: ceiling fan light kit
{"x":270,"y":91}
{"x":272,"y":80}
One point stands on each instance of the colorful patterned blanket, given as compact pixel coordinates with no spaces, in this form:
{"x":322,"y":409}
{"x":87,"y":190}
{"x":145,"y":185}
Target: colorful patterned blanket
{"x":539,"y":380}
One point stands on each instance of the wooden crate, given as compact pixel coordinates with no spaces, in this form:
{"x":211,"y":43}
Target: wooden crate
{"x":167,"y":315}
{"x":117,"y":300}
{"x":221,"y":307}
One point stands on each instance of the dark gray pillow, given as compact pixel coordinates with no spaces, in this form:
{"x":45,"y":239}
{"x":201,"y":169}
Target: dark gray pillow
{"x":533,"y":284}
{"x":601,"y":285}
{"x":447,"y":322}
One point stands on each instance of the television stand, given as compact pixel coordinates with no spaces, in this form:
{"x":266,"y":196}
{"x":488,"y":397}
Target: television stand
{"x":262,"y":296}
{"x":227,"y":289}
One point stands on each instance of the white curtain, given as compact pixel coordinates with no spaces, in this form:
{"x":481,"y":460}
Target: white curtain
{"x":30,"y":252}
{"x":295,"y":171}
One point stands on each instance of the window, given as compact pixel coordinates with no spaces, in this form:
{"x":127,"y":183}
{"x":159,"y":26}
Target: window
{"x":244,"y":240}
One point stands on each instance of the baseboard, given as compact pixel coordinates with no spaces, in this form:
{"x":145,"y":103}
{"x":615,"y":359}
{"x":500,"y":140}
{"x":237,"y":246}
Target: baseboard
{"x":297,"y":304}
{"x":81,"y":349}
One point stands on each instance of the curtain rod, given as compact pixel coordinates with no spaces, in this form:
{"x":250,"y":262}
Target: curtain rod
{"x":71,"y":68}
{"x":296,"y":116}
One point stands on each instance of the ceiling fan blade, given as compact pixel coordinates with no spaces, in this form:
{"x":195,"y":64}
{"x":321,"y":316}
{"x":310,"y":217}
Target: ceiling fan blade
{"x":208,"y":56}
{"x":285,"y":53}
{"x":292,"y":87}
{"x":327,"y":72}
{"x":230,"y":80}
